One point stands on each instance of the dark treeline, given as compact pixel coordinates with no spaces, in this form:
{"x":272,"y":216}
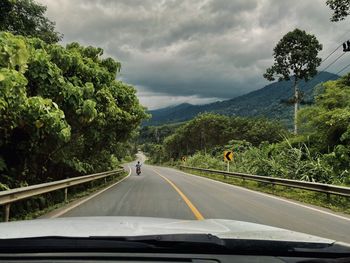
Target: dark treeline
{"x":209,"y":130}
{"x":205,"y":132}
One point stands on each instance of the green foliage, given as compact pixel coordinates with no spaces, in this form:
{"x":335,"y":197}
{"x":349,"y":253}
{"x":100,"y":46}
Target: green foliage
{"x":273,"y":160}
{"x":207,"y":131}
{"x":206,"y":161}
{"x":26,"y":17}
{"x":327,"y":124}
{"x":155,"y":152}
{"x":157,"y":134}
{"x":320,"y":154}
{"x":295,"y":54}
{"x":13,"y":53}
{"x":329,"y":118}
{"x":62,"y":112}
{"x":341,"y":9}
{"x":210,"y":133}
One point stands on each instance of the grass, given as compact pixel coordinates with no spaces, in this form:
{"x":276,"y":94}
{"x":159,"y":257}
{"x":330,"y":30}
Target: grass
{"x":333,"y":202}
{"x":73,"y":194}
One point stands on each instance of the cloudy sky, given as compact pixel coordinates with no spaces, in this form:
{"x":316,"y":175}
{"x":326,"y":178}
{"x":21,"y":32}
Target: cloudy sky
{"x":198,"y":51}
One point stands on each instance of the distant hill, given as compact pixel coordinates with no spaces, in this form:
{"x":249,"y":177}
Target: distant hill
{"x":264,"y":102}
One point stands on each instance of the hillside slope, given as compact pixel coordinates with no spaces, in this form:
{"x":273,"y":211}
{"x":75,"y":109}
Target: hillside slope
{"x":264,"y":102}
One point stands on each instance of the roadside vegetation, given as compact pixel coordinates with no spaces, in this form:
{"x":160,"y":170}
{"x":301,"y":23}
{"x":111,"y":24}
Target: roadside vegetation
{"x":63,"y":112}
{"x":320,"y":153}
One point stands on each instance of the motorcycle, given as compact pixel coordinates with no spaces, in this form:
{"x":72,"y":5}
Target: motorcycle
{"x":138,"y":170}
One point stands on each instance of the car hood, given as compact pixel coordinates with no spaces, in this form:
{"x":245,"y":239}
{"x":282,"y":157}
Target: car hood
{"x":143,"y":226}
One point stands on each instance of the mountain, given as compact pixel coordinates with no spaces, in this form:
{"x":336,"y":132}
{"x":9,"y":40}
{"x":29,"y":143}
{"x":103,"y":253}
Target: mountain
{"x":262,"y":102}
{"x":166,"y":115}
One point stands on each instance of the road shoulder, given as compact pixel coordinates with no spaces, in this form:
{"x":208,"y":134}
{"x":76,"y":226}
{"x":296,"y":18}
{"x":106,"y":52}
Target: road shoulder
{"x":68,"y":207}
{"x":314,"y":207}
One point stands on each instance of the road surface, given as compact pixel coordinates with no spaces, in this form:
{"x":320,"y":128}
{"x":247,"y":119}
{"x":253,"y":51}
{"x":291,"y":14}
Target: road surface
{"x":169,"y":193}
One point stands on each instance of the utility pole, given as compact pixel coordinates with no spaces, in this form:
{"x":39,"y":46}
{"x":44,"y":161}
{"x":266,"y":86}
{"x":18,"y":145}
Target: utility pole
{"x":157,"y":135}
{"x":296,"y":105}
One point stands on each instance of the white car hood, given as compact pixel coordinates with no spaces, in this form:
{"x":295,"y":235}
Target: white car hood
{"x":143,"y":226}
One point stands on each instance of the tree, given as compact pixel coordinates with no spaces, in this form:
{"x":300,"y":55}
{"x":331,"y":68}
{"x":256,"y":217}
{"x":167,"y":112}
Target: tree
{"x":295,"y":54}
{"x":62,"y":111}
{"x":26,"y":17}
{"x":209,"y":131}
{"x":327,"y":125}
{"x":328,"y":119}
{"x":341,"y":9}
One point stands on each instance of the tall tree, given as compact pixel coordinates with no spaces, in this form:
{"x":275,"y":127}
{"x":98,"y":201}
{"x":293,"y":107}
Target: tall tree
{"x":295,"y":55}
{"x":341,"y":9}
{"x":26,"y":17}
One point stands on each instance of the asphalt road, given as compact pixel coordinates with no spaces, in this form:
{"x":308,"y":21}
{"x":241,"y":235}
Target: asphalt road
{"x":169,"y":193}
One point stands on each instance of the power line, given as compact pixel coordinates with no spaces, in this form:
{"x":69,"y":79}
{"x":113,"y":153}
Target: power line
{"x":330,"y":64}
{"x":306,"y":84}
{"x":331,"y":53}
{"x":333,"y":62}
{"x":323,"y":60}
{"x":344,"y":68}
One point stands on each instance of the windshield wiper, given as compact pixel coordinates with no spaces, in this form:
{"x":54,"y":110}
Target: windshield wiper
{"x":173,"y":243}
{"x":108,"y":243}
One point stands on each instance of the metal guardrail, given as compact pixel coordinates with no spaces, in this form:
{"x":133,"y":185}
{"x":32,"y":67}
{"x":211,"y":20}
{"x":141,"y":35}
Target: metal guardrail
{"x":10,"y":196}
{"x":317,"y":187}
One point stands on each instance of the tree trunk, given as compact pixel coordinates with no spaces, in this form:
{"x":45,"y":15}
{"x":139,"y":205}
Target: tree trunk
{"x":296,"y":105}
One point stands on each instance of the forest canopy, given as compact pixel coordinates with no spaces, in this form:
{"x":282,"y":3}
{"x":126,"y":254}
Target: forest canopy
{"x":62,"y":111}
{"x":27,"y":18}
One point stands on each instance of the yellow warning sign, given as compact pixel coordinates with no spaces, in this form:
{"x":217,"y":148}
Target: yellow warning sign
{"x":228,"y":156}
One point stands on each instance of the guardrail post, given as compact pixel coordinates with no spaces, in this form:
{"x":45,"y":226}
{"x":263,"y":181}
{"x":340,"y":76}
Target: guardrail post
{"x":7,"y":212}
{"x":328,"y":197}
{"x":66,"y":194}
{"x":105,"y":180}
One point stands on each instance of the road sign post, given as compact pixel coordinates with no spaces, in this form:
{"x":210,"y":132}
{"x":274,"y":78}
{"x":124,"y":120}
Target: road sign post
{"x":228,"y":157}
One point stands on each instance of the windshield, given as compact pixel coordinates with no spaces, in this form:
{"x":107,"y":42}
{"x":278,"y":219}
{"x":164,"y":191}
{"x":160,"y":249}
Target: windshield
{"x":140,"y":118}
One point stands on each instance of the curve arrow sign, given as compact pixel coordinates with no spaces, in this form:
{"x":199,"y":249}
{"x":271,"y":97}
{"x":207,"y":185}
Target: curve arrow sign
{"x":228,"y":156}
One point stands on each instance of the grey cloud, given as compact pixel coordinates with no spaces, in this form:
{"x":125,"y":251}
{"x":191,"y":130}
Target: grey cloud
{"x":232,"y":7}
{"x":155,"y":100}
{"x":203,"y":49}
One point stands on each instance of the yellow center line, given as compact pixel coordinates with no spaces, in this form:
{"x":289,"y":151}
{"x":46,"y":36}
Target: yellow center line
{"x":194,"y":210}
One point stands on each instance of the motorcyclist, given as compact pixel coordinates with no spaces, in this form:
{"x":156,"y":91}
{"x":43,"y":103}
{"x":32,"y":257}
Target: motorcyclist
{"x":138,"y":167}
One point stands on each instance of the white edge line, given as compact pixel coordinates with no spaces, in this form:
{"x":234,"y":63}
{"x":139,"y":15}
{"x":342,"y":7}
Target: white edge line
{"x":267,"y":195}
{"x":90,"y":197}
